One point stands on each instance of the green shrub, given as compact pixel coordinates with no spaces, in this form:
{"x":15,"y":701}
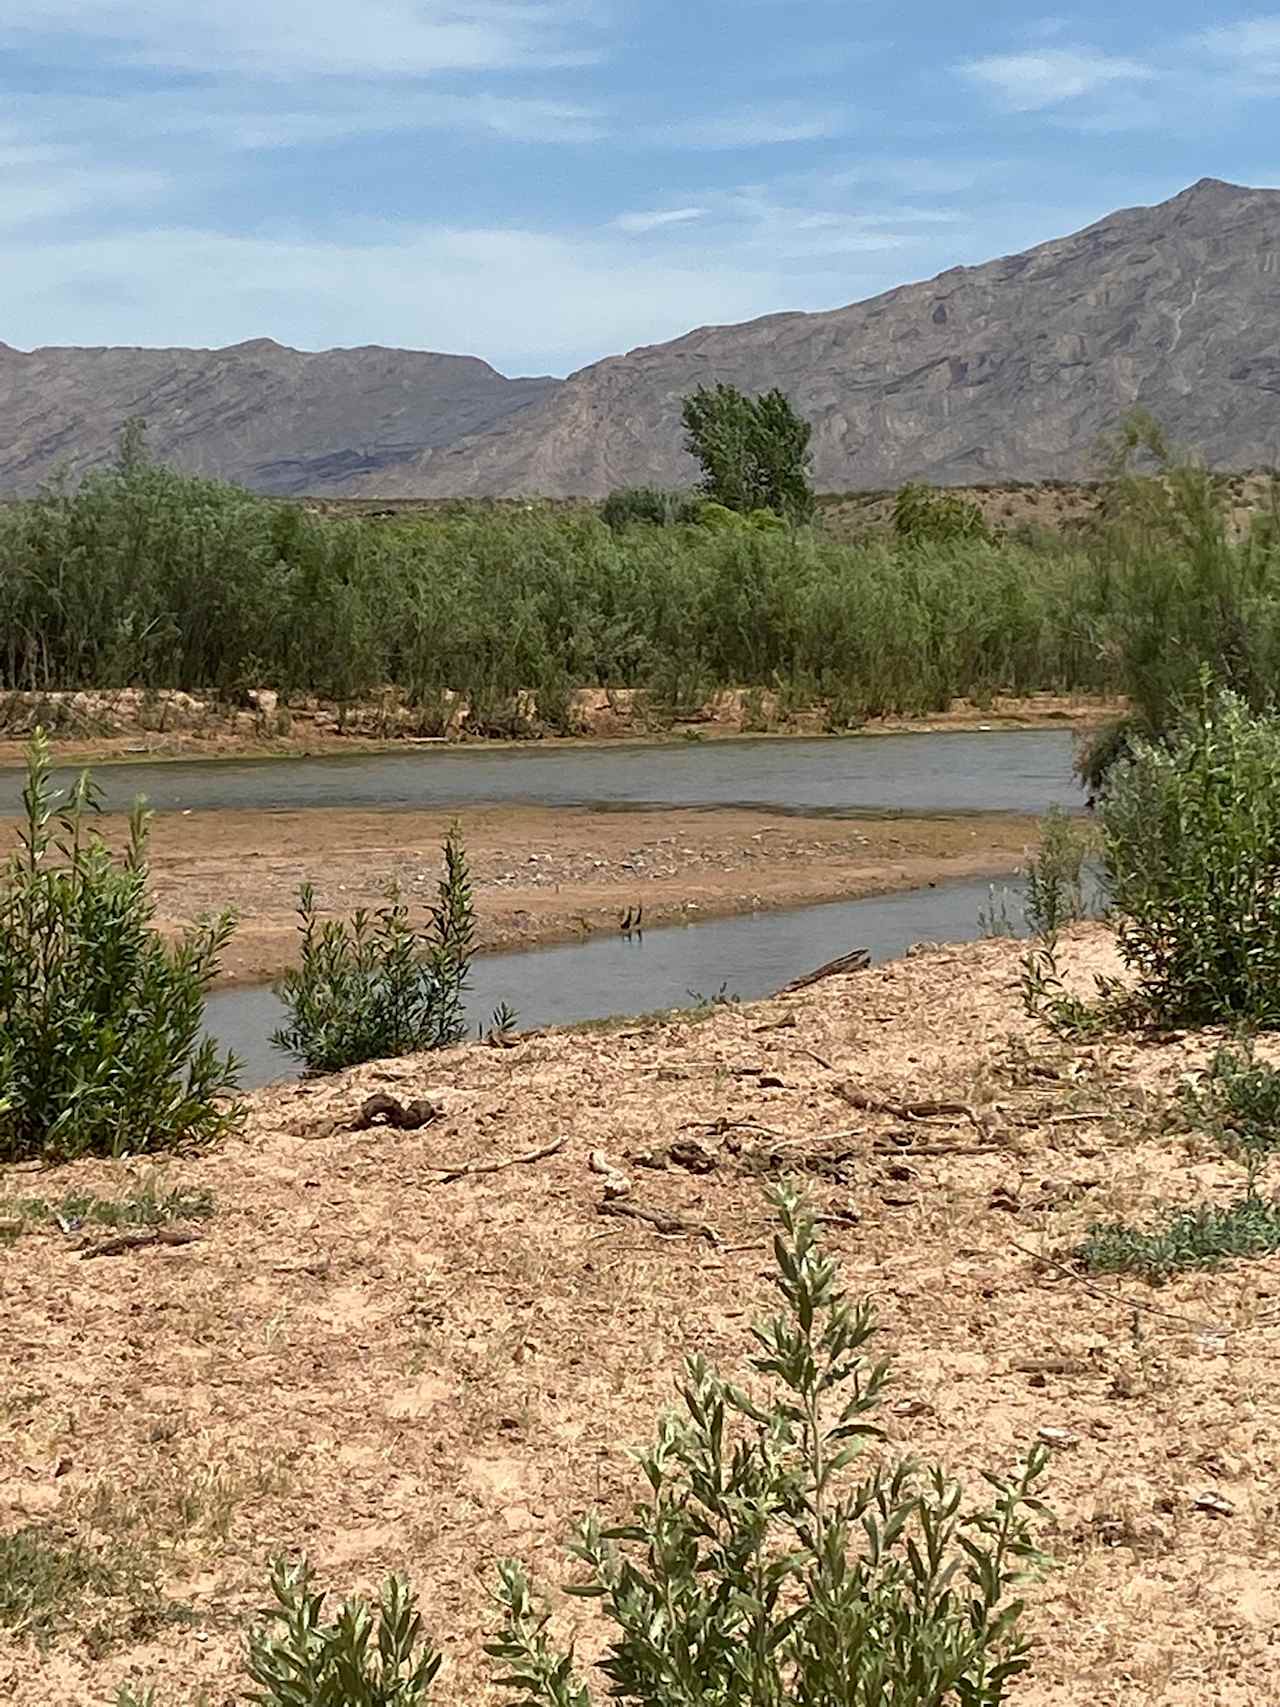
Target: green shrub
{"x":101,"y":1046}
{"x":647,"y":505}
{"x":368,"y":1657}
{"x":1238,"y":1101}
{"x":1192,"y":859}
{"x":376,"y":986}
{"x":759,"y":1569}
{"x":923,"y":516}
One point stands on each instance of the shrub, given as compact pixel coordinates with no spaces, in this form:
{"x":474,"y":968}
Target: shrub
{"x":1192,"y":859}
{"x":376,"y":986}
{"x":366,"y":1658}
{"x":759,"y":1570}
{"x":1238,"y":1101}
{"x":101,"y":1047}
{"x":923,"y":516}
{"x":648,"y":505}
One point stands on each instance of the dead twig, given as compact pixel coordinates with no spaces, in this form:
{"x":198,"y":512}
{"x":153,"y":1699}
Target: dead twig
{"x":1123,"y":1300}
{"x":469,"y":1170}
{"x":820,"y":1059}
{"x":927,"y":1109}
{"x":932,"y":1150}
{"x":856,"y":961}
{"x":670,"y":1226}
{"x":139,"y":1241}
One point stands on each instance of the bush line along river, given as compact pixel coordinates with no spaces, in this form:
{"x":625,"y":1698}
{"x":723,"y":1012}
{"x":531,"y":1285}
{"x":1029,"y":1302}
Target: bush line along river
{"x":840,"y":778}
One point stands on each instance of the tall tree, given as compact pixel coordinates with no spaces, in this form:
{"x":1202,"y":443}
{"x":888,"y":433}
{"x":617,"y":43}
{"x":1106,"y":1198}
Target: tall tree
{"x":754,"y":451}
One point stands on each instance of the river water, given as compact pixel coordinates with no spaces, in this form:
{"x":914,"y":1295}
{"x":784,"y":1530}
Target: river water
{"x":1005,"y":771}
{"x":748,"y":956}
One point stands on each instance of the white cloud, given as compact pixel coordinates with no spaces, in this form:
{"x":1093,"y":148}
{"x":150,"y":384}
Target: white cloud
{"x":1030,"y":82}
{"x":281,"y":38}
{"x":40,"y":184}
{"x":1250,"y":50}
{"x":655,"y":221}
{"x":235,"y":118}
{"x":750,"y":127}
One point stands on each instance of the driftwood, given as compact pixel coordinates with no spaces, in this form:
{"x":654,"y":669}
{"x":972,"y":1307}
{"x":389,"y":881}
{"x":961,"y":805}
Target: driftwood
{"x":139,"y":1242}
{"x":671,"y":1226}
{"x":856,"y":961}
{"x":469,"y":1170}
{"x":384,"y":1110}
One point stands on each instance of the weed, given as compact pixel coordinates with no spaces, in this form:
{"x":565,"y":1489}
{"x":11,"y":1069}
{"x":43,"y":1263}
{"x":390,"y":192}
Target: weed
{"x":101,"y":1047}
{"x":1055,"y":893}
{"x":1238,"y":1101}
{"x":368,"y":1657}
{"x":44,"y":1579}
{"x":759,"y":1570}
{"x":376,"y":987}
{"x":146,"y":1205}
{"x":1198,"y":1238}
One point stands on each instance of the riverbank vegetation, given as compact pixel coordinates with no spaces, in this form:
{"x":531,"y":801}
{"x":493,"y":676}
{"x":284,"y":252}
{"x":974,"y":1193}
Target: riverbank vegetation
{"x":147,"y":578}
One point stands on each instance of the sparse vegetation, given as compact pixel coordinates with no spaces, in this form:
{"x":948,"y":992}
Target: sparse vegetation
{"x":367,"y":1657}
{"x":759,"y":1569}
{"x":147,"y":1204}
{"x":101,"y":1048}
{"x":376,"y":985}
{"x":922,"y":516}
{"x":1203,"y":1237}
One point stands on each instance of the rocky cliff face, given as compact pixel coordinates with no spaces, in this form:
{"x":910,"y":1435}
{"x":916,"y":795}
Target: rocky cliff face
{"x":1005,"y":371}
{"x":275,"y":419}
{"x":1008,"y":371}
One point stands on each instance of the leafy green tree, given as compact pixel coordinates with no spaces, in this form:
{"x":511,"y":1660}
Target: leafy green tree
{"x":754,"y":451}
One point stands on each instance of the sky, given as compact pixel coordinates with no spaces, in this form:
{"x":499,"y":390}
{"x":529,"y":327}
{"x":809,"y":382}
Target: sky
{"x":545,"y":182}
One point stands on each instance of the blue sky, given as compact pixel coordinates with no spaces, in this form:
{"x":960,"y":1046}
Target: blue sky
{"x":543,"y":182}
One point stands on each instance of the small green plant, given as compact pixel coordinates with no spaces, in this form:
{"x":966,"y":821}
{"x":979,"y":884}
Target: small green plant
{"x":502,"y":1024}
{"x":1055,"y":893}
{"x":1199,"y":1238}
{"x":367,"y":1657}
{"x":994,"y":919}
{"x":101,"y":1020}
{"x":1238,"y":1101}
{"x":376,"y":986}
{"x":760,"y":1570}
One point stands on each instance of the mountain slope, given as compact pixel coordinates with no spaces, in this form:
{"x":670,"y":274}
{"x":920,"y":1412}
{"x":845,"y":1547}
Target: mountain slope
{"x":1005,"y":371}
{"x":276,"y":419}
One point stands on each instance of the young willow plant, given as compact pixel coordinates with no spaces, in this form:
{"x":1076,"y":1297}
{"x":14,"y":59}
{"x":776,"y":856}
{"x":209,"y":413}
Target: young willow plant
{"x":761,"y":1571}
{"x":365,"y":1658}
{"x":376,"y":986}
{"x":101,"y":1021}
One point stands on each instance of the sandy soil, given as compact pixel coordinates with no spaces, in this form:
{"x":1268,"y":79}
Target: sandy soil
{"x":390,"y":1371}
{"x":314,"y":732}
{"x":544,"y":875}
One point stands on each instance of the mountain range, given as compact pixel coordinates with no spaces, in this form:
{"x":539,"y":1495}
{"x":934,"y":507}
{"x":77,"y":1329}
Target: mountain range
{"x":1006,"y":371}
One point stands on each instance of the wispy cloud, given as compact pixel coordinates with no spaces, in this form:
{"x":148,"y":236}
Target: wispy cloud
{"x":657,"y":220}
{"x":1030,"y":82}
{"x":279,"y":38}
{"x":1249,"y":51}
{"x":750,"y":127}
{"x":40,"y":185}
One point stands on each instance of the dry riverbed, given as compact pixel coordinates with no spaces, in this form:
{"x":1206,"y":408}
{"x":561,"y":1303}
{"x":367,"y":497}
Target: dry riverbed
{"x":544,"y":875}
{"x":366,"y":1359}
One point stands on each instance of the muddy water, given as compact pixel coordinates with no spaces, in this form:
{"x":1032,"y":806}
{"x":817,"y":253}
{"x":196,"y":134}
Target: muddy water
{"x":749,"y":956}
{"x":1006,"y":771}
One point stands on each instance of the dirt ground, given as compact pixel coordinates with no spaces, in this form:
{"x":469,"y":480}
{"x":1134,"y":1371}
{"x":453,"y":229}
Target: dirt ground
{"x":389,"y":1368}
{"x":544,"y":875}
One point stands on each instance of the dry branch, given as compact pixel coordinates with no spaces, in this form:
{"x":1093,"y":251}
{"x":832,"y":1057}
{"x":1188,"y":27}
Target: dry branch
{"x":469,"y":1170}
{"x":856,"y":961}
{"x":671,"y":1226}
{"x":139,"y":1241}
